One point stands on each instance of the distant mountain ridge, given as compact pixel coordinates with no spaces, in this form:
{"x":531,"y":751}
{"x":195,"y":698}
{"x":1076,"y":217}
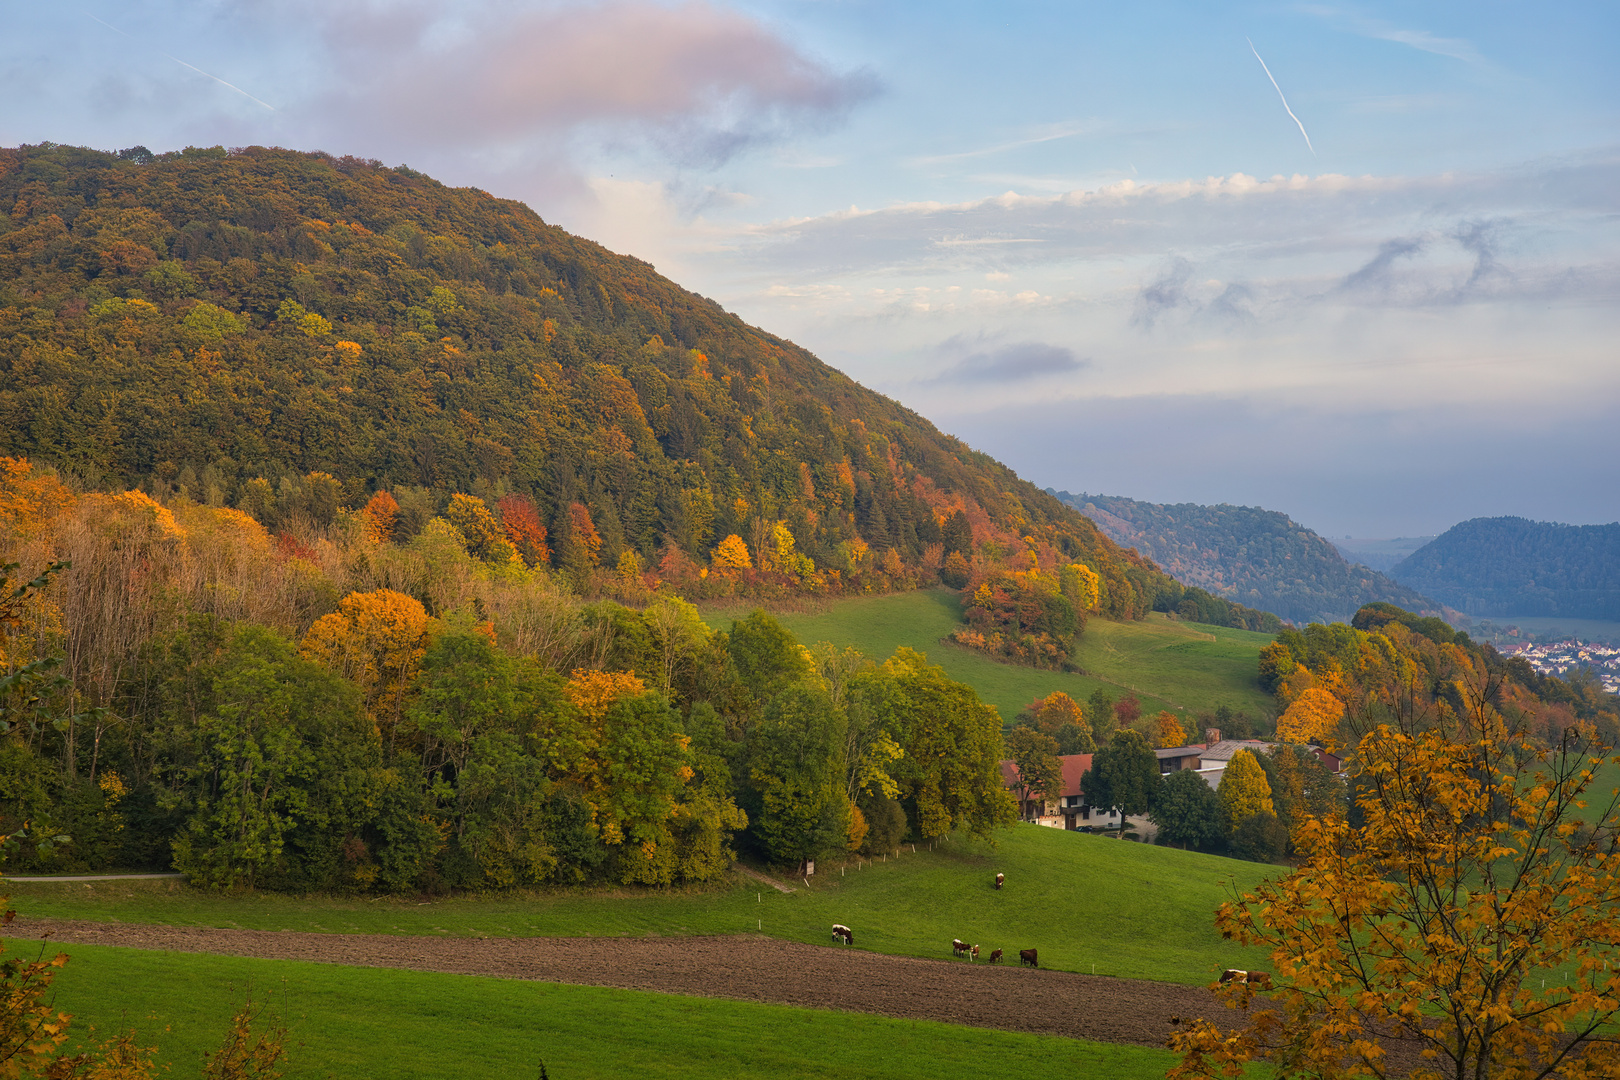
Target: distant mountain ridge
{"x":1257,"y":557}
{"x":1378,"y":555}
{"x":1506,"y":566}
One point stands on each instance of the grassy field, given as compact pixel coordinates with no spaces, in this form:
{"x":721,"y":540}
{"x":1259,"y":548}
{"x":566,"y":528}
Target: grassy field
{"x":1088,"y":903}
{"x":363,"y":1022}
{"x":1171,"y":665}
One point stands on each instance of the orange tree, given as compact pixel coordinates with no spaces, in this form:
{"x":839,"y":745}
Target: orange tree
{"x":1474,"y":909}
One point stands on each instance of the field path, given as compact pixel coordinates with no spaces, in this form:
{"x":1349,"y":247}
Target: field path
{"x":743,"y":967}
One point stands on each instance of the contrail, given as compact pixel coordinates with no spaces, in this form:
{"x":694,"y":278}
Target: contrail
{"x":1273,"y":79}
{"x":193,"y":67}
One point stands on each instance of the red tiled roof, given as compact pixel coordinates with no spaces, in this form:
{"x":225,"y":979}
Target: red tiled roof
{"x":1074,"y":767}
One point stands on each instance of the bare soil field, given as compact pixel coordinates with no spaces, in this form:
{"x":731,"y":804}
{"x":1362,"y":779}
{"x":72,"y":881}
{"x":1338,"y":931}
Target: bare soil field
{"x":743,"y":967}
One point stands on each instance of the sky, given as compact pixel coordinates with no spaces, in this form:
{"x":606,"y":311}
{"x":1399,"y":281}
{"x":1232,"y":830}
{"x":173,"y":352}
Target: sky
{"x":1359,"y":263}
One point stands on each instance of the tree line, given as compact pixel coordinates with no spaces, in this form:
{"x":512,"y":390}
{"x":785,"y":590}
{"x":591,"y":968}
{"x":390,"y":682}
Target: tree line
{"x":350,"y":713}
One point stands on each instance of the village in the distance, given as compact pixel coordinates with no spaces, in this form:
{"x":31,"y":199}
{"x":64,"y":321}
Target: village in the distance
{"x":1571,"y":655}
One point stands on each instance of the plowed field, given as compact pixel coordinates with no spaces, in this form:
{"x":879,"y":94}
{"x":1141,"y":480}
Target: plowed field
{"x":743,"y":967}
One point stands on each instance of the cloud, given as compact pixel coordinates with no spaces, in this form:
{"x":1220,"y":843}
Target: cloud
{"x":697,"y":81}
{"x":1376,"y":273}
{"x":1167,"y":293}
{"x":1422,"y":40}
{"x":1014,"y":362}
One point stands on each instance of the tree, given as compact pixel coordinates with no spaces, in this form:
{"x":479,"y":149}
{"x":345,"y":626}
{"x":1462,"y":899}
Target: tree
{"x":1100,"y":712}
{"x":797,"y":767}
{"x":1188,"y":812}
{"x":952,"y":742}
{"x":1471,"y":911}
{"x":732,"y":554}
{"x":1244,"y":790}
{"x":1170,"y":730}
{"x":765,"y":655}
{"x":376,"y":640}
{"x":1261,"y":838}
{"x":1311,"y":718}
{"x":480,"y":531}
{"x":381,"y":513}
{"x":1123,"y":775}
{"x":1276,"y":664}
{"x":524,"y":529}
{"x":1127,"y":711}
{"x":1035,"y":756}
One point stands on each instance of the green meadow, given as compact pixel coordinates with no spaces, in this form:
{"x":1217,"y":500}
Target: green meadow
{"x":1169,"y":664}
{"x":1088,"y":903}
{"x":376,"y":1023}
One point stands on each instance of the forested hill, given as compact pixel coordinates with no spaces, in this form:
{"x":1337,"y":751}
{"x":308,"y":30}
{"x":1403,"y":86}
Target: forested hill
{"x":242,"y":327}
{"x":1256,"y":557}
{"x":1508,"y":566}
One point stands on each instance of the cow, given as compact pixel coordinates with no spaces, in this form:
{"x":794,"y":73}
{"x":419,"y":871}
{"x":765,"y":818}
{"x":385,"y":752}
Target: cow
{"x":1259,"y":979}
{"x":843,"y":933}
{"x":1027,"y":956}
{"x":999,"y":879}
{"x":995,"y":957}
{"x":973,"y":954}
{"x":958,"y":947}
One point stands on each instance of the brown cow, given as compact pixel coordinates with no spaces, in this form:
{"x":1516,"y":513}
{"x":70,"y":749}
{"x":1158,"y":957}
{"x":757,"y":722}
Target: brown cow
{"x":959,"y":947}
{"x":973,"y":954}
{"x":843,"y":933}
{"x":999,"y":879}
{"x":1027,"y":956}
{"x":995,"y":957}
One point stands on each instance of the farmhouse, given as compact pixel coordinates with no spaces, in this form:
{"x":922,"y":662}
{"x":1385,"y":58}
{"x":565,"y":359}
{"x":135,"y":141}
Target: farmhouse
{"x":1069,"y":809}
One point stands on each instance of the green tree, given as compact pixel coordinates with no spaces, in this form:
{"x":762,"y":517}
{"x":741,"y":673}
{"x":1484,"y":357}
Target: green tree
{"x":1188,"y":812}
{"x":1123,"y":775}
{"x":1260,"y":838}
{"x":951,"y":770}
{"x":254,"y":765}
{"x":796,"y":766}
{"x":766,"y":657}
{"x":1040,"y":773}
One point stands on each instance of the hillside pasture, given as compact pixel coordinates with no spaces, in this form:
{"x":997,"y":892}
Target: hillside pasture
{"x":1169,"y":664}
{"x":1089,"y":904}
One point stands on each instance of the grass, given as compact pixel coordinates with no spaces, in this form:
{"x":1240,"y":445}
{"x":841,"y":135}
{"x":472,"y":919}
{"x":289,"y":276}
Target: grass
{"x":1169,"y":664}
{"x":1086,"y":902}
{"x":364,"y":1022}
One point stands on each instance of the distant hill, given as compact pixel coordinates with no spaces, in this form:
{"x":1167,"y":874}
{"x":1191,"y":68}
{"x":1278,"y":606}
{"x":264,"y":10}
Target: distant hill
{"x":1509,"y":566}
{"x":1256,"y":557}
{"x":1378,"y":554}
{"x":247,"y":327}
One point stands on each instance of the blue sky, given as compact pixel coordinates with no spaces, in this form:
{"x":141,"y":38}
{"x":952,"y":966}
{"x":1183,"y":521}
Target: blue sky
{"x":1090,"y":239}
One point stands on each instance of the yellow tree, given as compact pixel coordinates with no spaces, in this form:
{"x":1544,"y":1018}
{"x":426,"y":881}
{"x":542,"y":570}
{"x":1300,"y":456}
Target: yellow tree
{"x":732,"y":554}
{"x":1244,"y":790}
{"x":1313,"y":716}
{"x":1472,"y":912}
{"x":485,"y":537}
{"x":377,"y":641}
{"x":1171,"y":732}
